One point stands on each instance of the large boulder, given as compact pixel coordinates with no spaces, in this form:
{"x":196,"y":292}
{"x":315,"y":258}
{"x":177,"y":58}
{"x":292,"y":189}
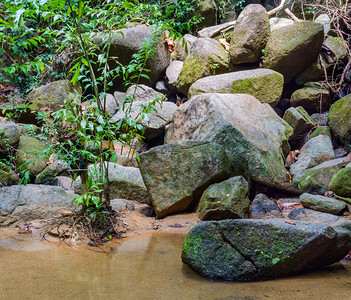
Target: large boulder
{"x":23,"y":203}
{"x":124,"y":183}
{"x":262,"y":249}
{"x":155,"y":122}
{"x":53,"y":95}
{"x":255,"y":138}
{"x":31,"y":155}
{"x":207,"y":57}
{"x":264,"y":84}
{"x":128,"y":41}
{"x":341,"y":182}
{"x":228,"y":199}
{"x":250,"y":35}
{"x":176,"y":174}
{"x":322,"y":204}
{"x":339,"y":119}
{"x":292,"y":48}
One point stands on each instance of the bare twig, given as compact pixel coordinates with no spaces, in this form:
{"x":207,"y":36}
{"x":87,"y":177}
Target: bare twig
{"x":278,"y":8}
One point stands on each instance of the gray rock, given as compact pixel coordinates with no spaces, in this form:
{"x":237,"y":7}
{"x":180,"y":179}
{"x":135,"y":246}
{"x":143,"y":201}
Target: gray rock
{"x":128,"y":41}
{"x":321,"y":130}
{"x":293,"y":48}
{"x":65,"y":182}
{"x":142,"y":92}
{"x":47,"y":176}
{"x":316,"y":217}
{"x":265,"y":85}
{"x":312,"y":99}
{"x":301,"y":165}
{"x":30,"y":154}
{"x":182,"y":47}
{"x":319,"y":148}
{"x":320,"y":119}
{"x":120,"y":97}
{"x":53,"y":95}
{"x":23,"y":203}
{"x":225,"y":200}
{"x":124,"y":182}
{"x":254,"y":137}
{"x":161,"y":87}
{"x":122,"y":204}
{"x":208,"y":10}
{"x":248,"y":42}
{"x":263,"y":208}
{"x":341,"y":182}
{"x":277,"y":23}
{"x":173,"y":72}
{"x":339,"y":119}
{"x":262,"y":249}
{"x":324,"y":19}
{"x":317,"y":179}
{"x":299,"y":120}
{"x":207,"y":57}
{"x":111,"y":105}
{"x":156,"y":120}
{"x":176,"y":174}
{"x":322,"y":204}
{"x":9,"y":135}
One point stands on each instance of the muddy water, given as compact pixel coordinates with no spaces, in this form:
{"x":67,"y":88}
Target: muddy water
{"x":147,"y":266}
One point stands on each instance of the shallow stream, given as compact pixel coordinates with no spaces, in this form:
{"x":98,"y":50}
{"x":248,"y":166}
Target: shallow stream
{"x":146,"y":266}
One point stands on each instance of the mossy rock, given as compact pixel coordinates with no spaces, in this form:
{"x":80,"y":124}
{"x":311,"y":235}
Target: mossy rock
{"x":31,"y":152}
{"x":339,"y":119}
{"x":228,"y":199}
{"x":321,"y":130}
{"x":53,"y":95}
{"x":341,"y":182}
{"x":312,"y":99}
{"x":293,"y":48}
{"x":8,"y":176}
{"x":264,"y":84}
{"x":299,"y":120}
{"x":250,"y":35}
{"x":207,"y":57}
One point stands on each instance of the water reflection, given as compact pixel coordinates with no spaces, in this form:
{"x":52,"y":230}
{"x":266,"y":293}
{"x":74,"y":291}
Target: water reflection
{"x":143,"y":267}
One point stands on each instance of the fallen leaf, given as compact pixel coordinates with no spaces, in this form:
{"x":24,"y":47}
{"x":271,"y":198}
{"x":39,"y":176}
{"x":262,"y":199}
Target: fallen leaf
{"x":292,"y":157}
{"x":292,"y":223}
{"x":66,"y":213}
{"x":288,"y":177}
{"x":171,"y":44}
